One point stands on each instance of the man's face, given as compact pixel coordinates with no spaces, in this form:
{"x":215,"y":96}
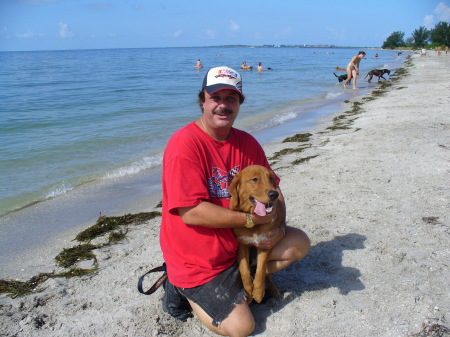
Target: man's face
{"x":221,"y":108}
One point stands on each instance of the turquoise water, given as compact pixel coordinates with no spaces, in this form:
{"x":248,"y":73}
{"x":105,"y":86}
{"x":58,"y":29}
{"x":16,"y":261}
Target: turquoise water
{"x":71,"y":118}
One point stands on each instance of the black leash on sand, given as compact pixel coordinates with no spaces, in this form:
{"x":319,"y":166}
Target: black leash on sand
{"x":157,"y":284}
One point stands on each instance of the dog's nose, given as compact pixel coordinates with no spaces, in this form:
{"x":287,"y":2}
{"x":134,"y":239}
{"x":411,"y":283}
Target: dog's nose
{"x":273,"y":195}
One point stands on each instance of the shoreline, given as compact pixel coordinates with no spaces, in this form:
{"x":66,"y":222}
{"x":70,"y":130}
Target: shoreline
{"x":256,"y":115}
{"x":361,"y":197}
{"x":58,"y":220}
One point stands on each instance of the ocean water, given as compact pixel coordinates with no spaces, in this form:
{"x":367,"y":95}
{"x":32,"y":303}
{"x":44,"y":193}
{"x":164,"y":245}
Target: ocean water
{"x":69,"y":119}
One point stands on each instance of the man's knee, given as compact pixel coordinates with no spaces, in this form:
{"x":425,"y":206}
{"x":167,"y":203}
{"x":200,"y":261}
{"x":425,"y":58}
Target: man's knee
{"x":301,"y":244}
{"x":244,"y":328}
{"x":240,"y":322}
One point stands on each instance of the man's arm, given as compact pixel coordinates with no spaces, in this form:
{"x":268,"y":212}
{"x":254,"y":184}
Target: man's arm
{"x":210,"y":215}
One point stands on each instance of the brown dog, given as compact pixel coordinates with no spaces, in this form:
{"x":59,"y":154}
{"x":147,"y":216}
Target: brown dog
{"x":254,"y":190}
{"x":339,"y":68}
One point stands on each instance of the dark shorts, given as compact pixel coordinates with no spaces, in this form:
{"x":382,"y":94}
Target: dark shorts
{"x":219,"y":296}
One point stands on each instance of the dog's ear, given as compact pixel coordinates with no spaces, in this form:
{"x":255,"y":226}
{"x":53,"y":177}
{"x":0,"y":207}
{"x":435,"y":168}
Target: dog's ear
{"x":234,"y":191}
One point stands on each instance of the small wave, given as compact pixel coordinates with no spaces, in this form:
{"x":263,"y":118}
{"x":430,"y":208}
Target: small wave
{"x":332,"y":95}
{"x":58,"y":190}
{"x":135,"y":168}
{"x":283,"y":118}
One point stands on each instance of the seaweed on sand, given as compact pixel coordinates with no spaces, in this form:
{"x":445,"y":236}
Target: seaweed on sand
{"x":20,"y":288}
{"x":107,"y":224}
{"x":299,"y":137}
{"x":69,"y":257}
{"x":283,"y":152}
{"x":302,"y":160}
{"x":433,"y":330}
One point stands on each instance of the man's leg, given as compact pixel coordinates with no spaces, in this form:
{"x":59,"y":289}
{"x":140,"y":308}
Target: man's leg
{"x":239,"y":322}
{"x":293,"y":247}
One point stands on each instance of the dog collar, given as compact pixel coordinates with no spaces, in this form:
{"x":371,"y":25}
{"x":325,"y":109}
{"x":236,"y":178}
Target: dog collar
{"x":250,"y":223}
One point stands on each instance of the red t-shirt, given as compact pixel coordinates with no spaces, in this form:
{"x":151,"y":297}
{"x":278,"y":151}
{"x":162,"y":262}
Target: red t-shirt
{"x":197,"y":168}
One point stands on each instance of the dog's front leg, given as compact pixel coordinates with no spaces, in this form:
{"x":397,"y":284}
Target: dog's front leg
{"x":244,"y":269}
{"x":260,"y":276}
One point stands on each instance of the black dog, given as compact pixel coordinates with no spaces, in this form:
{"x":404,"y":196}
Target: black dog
{"x":342,"y":78}
{"x":379,"y":73}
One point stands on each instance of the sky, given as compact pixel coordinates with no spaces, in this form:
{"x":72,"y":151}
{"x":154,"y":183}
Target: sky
{"x":27,"y":25}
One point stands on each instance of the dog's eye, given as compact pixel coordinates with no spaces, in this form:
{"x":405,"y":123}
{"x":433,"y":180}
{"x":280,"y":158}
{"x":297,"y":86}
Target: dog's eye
{"x":255,"y":179}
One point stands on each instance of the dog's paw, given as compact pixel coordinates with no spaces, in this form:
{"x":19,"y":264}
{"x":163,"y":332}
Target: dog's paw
{"x":248,"y":295}
{"x":258,"y":294}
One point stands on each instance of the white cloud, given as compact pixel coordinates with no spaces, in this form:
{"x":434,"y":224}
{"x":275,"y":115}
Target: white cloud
{"x":234,"y":26}
{"x":211,"y":33}
{"x":64,"y":30}
{"x":443,"y":12}
{"x":28,"y":35}
{"x":177,"y":33}
{"x":428,"y":21}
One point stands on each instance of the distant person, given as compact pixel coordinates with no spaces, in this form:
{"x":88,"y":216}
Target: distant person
{"x":260,"y":68}
{"x":439,"y":50}
{"x":199,"y":64}
{"x":244,"y":66}
{"x":446,"y":50}
{"x":423,"y":53}
{"x":353,"y":68}
{"x":376,"y":55}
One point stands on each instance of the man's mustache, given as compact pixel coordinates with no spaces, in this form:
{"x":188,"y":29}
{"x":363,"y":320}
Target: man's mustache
{"x":223,"y":111}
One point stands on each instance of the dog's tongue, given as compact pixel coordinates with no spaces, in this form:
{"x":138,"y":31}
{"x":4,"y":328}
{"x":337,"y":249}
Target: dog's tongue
{"x":260,"y":208}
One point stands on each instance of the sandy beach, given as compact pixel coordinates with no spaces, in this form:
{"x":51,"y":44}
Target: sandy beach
{"x":370,"y":186}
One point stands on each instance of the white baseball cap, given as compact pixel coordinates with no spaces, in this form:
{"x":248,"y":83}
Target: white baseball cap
{"x":222,"y":77}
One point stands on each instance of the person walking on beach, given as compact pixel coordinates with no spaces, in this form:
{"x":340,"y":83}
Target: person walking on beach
{"x":353,"y":68}
{"x":196,"y":235}
{"x":423,"y":53}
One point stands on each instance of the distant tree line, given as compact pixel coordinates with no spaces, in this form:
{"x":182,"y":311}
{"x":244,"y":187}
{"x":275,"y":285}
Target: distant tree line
{"x":421,"y":37}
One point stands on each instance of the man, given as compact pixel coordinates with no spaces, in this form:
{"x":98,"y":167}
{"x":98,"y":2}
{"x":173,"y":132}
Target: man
{"x":197,"y":239}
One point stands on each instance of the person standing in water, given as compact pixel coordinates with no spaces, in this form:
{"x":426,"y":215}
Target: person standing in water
{"x":199,"y":64}
{"x":260,"y":68}
{"x":353,"y":68}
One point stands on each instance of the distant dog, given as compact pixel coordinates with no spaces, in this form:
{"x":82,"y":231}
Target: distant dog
{"x":379,"y":73}
{"x":341,"y":69}
{"x":342,"y":78}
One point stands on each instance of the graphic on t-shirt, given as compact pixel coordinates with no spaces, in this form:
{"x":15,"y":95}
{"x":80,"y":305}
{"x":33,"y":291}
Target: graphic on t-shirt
{"x":219,"y":182}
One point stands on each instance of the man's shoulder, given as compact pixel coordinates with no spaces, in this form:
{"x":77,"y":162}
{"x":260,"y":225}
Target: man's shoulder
{"x":240,"y":134}
{"x":184,"y":132}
